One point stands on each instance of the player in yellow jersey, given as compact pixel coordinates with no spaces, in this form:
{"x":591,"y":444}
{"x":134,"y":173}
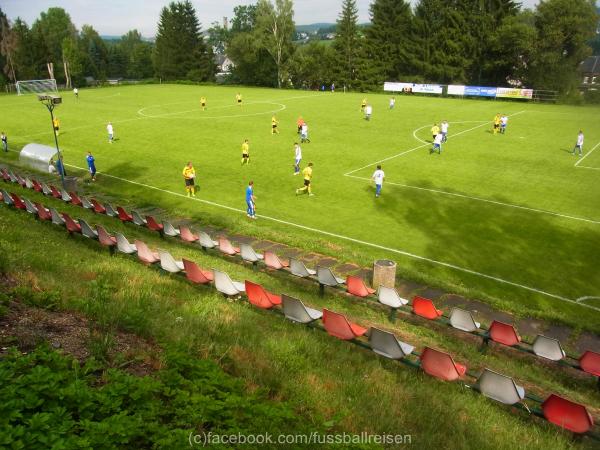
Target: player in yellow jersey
{"x":203,"y":103}
{"x":238,"y":99}
{"x":435,"y":130}
{"x":363,"y":105}
{"x":307,"y":173}
{"x":496,"y":123}
{"x":274,"y":123}
{"x":56,"y":125}
{"x":189,"y":175}
{"x":245,"y":152}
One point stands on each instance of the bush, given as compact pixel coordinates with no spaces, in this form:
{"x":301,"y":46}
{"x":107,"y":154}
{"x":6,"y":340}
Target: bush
{"x":50,"y":401}
{"x":592,"y":96}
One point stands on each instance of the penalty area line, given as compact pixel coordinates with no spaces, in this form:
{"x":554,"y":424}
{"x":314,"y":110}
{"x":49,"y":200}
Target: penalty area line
{"x":585,"y":156}
{"x":351,"y":239}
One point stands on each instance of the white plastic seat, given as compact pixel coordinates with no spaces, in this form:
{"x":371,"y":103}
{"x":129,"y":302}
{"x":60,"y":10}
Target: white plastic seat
{"x":206,"y":241}
{"x":46,"y":189}
{"x":138,"y":219}
{"x":57,"y":219}
{"x":110,"y":211}
{"x":326,"y":277}
{"x":248,"y":254}
{"x":124,"y":246}
{"x":500,"y":387}
{"x":298,"y":268}
{"x":7,"y":198}
{"x":548,"y":348}
{"x":386,"y":344}
{"x":463,"y":320}
{"x":169,"y":229}
{"x":226,"y":285}
{"x":87,"y":230}
{"x":86,"y":203}
{"x":65,"y":196}
{"x":390,"y":297}
{"x":168,"y":263}
{"x":296,"y":311}
{"x":28,"y":183}
{"x":30,"y":207}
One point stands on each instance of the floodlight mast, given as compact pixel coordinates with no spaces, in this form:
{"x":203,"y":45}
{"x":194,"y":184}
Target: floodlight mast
{"x":50,"y":101}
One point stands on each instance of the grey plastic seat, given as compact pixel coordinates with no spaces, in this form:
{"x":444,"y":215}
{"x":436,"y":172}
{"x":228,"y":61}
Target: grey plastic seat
{"x":57,"y":219}
{"x":124,"y":246}
{"x":298,"y":268}
{"x":169,"y":229}
{"x":168,"y":263}
{"x":296,"y":311}
{"x":386,"y":344}
{"x":548,"y":348}
{"x":138,"y":219}
{"x":86,"y":203}
{"x":499,"y":387}
{"x":87,"y":230}
{"x":206,"y":241}
{"x":13,"y":177}
{"x":31,"y":209}
{"x":326,"y":277}
{"x":110,"y":211}
{"x":463,"y":320}
{"x":6,"y":198}
{"x":46,"y":189}
{"x":249,"y":254}
{"x":226,"y":285}
{"x":65,"y":196}
{"x":390,"y":297}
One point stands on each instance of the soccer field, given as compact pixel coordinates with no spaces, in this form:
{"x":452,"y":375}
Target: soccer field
{"x":513,"y":219}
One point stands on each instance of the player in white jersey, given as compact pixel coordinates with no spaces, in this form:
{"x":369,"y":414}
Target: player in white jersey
{"x":444,"y":130}
{"x":437,"y":144}
{"x":109,"y":129}
{"x":298,"y":158}
{"x":503,"y":123}
{"x":378,"y":177}
{"x":579,"y":145}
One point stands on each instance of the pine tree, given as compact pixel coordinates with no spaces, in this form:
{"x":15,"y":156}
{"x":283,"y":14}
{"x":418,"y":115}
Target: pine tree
{"x":347,"y":43}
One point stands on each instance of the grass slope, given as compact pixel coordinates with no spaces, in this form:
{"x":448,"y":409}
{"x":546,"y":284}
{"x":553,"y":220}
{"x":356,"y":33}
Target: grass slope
{"x":160,"y":128}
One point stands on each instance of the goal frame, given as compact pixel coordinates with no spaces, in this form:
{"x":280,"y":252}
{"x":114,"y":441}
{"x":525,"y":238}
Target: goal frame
{"x":39,"y":86}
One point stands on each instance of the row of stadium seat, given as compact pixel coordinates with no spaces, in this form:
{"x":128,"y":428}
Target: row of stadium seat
{"x":556,"y":409}
{"x":499,"y":332}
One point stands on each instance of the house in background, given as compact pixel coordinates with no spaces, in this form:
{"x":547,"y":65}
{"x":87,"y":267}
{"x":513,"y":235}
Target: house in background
{"x":589,"y":70}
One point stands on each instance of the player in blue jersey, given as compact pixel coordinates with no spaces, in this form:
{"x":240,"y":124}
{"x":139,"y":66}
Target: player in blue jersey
{"x":250,"y":200}
{"x":91,"y":162}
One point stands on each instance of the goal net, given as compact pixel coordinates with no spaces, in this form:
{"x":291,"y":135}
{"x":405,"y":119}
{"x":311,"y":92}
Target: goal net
{"x":36,"y":87}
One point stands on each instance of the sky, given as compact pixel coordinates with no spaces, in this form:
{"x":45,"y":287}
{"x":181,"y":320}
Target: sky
{"x":116,"y":17}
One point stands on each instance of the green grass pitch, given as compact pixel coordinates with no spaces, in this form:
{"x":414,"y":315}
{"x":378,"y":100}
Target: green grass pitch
{"x":512,"y":218}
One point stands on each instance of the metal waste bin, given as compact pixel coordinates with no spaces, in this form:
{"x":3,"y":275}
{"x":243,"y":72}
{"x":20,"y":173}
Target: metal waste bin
{"x":384,"y":273}
{"x":71,"y":184}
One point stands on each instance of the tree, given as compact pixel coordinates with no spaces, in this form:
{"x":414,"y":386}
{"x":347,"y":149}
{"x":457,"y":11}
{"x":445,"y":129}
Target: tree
{"x":347,"y":42}
{"x":217,"y":38}
{"x":244,"y":19}
{"x":180,"y":50}
{"x":138,"y":55}
{"x":388,"y":38}
{"x":313,"y":65}
{"x":275,"y":30}
{"x":94,"y":53}
{"x":8,"y":44}
{"x":563,"y":29}
{"x":25,"y":55}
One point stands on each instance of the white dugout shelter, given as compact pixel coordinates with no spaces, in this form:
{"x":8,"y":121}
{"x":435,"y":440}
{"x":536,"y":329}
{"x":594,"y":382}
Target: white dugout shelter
{"x":38,"y":156}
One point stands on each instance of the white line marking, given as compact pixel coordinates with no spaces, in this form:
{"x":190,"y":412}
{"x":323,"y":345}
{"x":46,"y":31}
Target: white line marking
{"x":587,"y":297}
{"x":586,"y":155}
{"x":485,"y":200}
{"x":356,"y":241}
{"x":421,"y":146}
{"x":588,"y":167}
{"x":425,"y":126}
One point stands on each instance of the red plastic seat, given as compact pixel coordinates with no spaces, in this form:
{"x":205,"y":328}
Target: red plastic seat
{"x":260,"y":297}
{"x":424,"y":307}
{"x":146,"y":255}
{"x":272,"y":261}
{"x":21,"y":181}
{"x":5,"y":175}
{"x":98,"y":207}
{"x":154,"y":225}
{"x":195,"y":274}
{"x":356,"y":286}
{"x":43,"y":213}
{"x":72,"y":226}
{"x":590,"y":362}
{"x":124,"y":216}
{"x":226,"y":247}
{"x":75,"y":199}
{"x":55,"y":192}
{"x":338,"y":326}
{"x":19,"y":204}
{"x":186,"y":234}
{"x":441,"y":365}
{"x":567,"y":414}
{"x":504,"y":333}
{"x":37,"y":187}
{"x":104,"y":238}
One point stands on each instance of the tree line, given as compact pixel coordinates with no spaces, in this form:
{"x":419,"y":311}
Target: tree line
{"x":478,"y":42}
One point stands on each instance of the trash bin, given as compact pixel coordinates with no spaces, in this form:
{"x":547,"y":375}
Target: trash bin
{"x":384,"y":273}
{"x":71,"y":184}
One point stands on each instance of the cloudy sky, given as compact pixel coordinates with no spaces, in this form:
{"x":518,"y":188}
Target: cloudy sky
{"x":115,"y":17}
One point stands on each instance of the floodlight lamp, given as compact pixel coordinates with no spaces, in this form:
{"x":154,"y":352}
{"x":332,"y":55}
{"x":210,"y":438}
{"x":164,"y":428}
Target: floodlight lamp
{"x":51,"y":99}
